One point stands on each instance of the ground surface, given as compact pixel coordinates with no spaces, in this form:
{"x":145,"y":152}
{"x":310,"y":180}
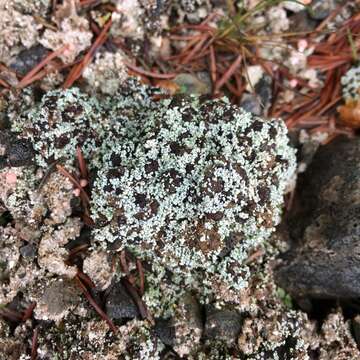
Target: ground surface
{"x":66,"y":295}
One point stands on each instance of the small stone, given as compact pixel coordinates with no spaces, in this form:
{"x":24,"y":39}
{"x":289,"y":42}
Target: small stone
{"x":119,"y":305}
{"x":321,"y":9}
{"x":28,"y":59}
{"x":191,"y":84}
{"x":224,"y":324}
{"x":251,"y":103}
{"x":57,"y":301}
{"x":28,"y":251}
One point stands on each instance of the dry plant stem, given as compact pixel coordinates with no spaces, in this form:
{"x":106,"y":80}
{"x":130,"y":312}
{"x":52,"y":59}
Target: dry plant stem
{"x":25,"y":80}
{"x":78,"y":69}
{"x":34,"y":344}
{"x":94,"y":304}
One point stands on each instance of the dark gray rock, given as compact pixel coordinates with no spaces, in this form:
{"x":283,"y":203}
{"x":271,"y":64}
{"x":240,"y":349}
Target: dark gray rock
{"x":119,"y":304}
{"x":165,"y":330}
{"x":321,"y":9}
{"x":20,"y":153}
{"x":224,"y":324}
{"x":259,"y":102}
{"x":251,"y":103}
{"x":324,"y":261}
{"x":28,"y":59}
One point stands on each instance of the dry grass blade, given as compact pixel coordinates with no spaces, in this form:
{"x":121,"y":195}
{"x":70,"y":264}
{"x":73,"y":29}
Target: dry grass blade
{"x":212,"y":65}
{"x":95,"y":305}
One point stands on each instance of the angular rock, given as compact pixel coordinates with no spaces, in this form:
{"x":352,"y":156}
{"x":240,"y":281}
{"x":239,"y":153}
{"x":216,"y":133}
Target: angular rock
{"x":324,"y":261}
{"x":119,"y":305}
{"x":224,"y":324}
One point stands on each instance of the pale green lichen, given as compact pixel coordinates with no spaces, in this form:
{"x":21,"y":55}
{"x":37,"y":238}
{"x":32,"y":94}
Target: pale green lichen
{"x":188,"y":184}
{"x":351,"y":84}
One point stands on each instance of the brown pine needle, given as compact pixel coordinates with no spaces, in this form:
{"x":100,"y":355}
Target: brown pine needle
{"x":78,"y":69}
{"x":151,"y":74}
{"x":212,"y":65}
{"x":85,"y":279}
{"x":229,"y":72}
{"x":139,"y":302}
{"x":95,"y":305}
{"x":37,"y":68}
{"x":34,"y":344}
{"x":74,"y":181}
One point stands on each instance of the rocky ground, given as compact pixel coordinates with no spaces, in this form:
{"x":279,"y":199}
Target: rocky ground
{"x":179,"y":179}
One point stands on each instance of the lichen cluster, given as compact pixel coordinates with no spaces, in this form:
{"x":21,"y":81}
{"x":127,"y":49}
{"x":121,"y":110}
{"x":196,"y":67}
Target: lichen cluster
{"x":351,"y":84}
{"x":189,"y":184}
